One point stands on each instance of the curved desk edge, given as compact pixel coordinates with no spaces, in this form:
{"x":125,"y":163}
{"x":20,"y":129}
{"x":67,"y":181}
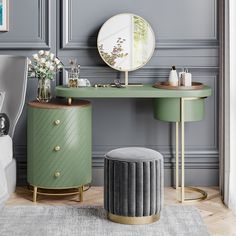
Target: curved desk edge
{"x":146,"y":91}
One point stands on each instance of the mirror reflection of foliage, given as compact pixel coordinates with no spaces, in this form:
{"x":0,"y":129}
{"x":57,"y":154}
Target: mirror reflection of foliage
{"x":117,"y":52}
{"x":140,"y":29}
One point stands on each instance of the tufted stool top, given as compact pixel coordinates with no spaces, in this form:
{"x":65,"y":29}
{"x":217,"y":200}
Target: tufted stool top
{"x":133,"y":154}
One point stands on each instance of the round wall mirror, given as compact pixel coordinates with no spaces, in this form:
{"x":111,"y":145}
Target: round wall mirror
{"x":126,"y":42}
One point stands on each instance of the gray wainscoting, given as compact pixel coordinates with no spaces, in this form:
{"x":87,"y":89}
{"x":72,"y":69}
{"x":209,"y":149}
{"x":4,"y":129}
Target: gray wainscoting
{"x":186,"y":35}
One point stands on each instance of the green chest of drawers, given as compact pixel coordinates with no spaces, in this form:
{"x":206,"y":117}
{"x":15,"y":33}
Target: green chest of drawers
{"x":59,"y":145}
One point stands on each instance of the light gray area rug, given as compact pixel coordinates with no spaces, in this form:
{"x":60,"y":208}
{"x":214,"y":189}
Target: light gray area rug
{"x":175,"y":220}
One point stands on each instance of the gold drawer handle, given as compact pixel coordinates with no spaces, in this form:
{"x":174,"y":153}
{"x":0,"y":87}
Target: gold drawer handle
{"x":57,"y":122}
{"x":57,"y":174}
{"x":57,"y":148}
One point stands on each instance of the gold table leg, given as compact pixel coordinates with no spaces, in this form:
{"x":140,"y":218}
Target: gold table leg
{"x":177,"y":156}
{"x":35,"y":194}
{"x":203,"y":195}
{"x":182,"y":150}
{"x":126,"y":78}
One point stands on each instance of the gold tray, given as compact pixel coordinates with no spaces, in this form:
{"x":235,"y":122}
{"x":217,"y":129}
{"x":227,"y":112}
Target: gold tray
{"x":166,"y":85}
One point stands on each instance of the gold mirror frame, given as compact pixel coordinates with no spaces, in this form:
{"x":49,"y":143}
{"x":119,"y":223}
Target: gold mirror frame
{"x":119,"y":43}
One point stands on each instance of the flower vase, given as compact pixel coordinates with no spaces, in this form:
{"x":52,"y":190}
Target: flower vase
{"x":44,"y":90}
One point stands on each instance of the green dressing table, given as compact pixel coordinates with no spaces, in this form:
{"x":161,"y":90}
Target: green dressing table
{"x":177,"y":106}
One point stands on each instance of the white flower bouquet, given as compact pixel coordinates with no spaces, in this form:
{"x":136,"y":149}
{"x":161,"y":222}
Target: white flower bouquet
{"x":44,"y":65}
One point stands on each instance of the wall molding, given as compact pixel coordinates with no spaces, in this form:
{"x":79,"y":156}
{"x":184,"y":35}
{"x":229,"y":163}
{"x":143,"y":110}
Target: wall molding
{"x":68,"y":43}
{"x":209,"y":160}
{"x":194,"y":160}
{"x":145,"y":72}
{"x":43,"y":39}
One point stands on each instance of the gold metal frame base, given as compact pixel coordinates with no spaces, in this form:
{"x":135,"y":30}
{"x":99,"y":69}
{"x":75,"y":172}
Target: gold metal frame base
{"x":202,"y":197}
{"x":182,"y":188}
{"x":57,"y":192}
{"x":133,"y":220}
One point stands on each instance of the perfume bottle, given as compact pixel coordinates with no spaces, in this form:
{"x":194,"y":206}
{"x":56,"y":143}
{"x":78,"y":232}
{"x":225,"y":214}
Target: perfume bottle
{"x":173,"y":77}
{"x":181,"y":77}
{"x":73,"y":74}
{"x":186,"y":78}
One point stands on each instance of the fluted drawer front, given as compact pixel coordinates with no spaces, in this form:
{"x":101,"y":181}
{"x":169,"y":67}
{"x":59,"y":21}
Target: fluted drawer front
{"x":57,"y":121}
{"x":133,"y":188}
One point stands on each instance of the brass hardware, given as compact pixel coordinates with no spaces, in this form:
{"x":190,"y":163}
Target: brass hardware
{"x":57,"y":122}
{"x":55,"y":192}
{"x":133,"y":220}
{"x":57,"y":148}
{"x":87,"y":188}
{"x":203,"y":195}
{"x":166,"y":85}
{"x":57,"y":174}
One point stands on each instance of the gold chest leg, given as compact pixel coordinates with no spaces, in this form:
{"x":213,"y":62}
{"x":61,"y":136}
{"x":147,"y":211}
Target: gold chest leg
{"x":81,"y":193}
{"x":35,"y":194}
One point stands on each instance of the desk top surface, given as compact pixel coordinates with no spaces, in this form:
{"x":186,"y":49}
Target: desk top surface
{"x":145,"y":91}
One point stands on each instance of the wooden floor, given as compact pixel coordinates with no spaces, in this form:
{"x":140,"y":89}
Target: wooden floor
{"x":219,"y":220}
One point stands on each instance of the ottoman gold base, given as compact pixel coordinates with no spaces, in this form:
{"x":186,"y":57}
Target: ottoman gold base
{"x":133,"y":220}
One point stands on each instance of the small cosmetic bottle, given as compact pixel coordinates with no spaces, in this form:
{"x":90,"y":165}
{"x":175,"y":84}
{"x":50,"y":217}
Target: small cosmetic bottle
{"x":173,"y":77}
{"x":187,"y":78}
{"x":181,"y":77}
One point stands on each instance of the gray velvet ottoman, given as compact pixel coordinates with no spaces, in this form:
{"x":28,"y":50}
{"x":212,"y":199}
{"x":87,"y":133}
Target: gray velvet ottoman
{"x":133,"y":185}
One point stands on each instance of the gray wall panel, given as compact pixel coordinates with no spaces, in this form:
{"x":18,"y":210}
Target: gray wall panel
{"x":175,"y":22}
{"x":29,"y":25}
{"x":187,"y":35}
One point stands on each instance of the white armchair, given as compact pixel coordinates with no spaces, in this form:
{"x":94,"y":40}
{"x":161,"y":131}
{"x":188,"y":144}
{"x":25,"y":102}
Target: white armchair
{"x":13,"y":80}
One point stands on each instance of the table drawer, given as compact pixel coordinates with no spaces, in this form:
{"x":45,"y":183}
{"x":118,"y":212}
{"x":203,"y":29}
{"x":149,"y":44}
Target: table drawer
{"x":169,"y":109}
